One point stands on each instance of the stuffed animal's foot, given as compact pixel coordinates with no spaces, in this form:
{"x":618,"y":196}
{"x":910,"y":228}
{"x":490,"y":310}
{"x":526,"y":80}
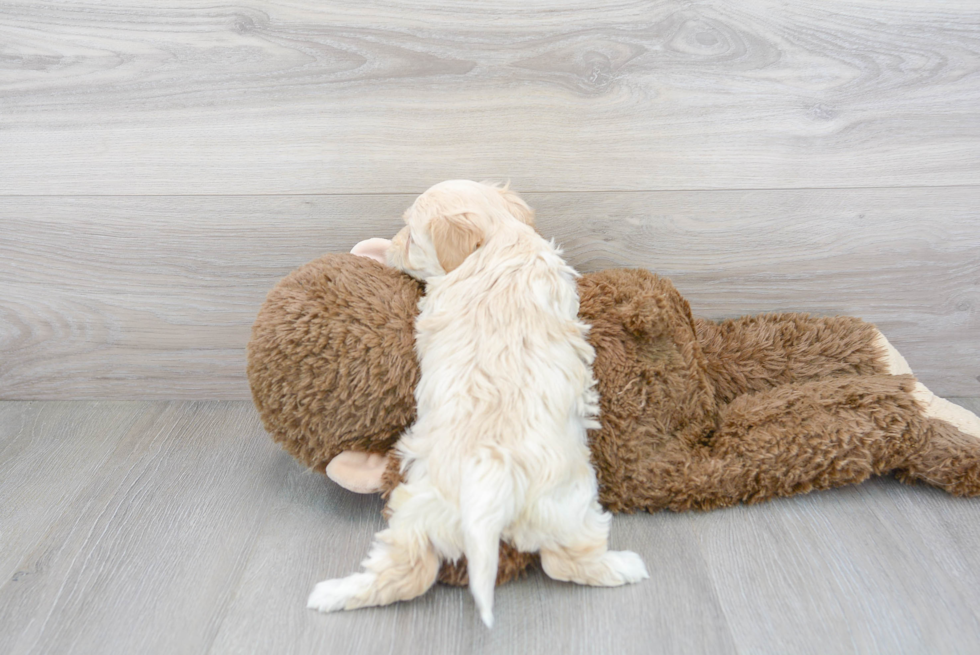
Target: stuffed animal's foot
{"x":932,"y":405}
{"x":894,"y":363}
{"x":611,"y":569}
{"x":935,"y":407}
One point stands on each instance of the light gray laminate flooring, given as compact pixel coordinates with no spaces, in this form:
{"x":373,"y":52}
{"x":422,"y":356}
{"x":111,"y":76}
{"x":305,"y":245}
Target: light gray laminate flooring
{"x":179,"y":527}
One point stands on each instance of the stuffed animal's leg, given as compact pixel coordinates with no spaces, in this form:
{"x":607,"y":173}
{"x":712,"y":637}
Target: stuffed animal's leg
{"x":827,"y":434}
{"x":949,"y":460}
{"x":402,"y":563}
{"x":794,"y":439}
{"x":950,"y":457}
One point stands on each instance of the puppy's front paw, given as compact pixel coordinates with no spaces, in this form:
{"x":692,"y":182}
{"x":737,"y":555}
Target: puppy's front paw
{"x":333,"y":595}
{"x":626,"y":566}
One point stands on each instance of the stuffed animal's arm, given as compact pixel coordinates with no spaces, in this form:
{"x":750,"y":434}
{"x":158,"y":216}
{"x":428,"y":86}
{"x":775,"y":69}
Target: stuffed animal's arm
{"x":757,"y":353}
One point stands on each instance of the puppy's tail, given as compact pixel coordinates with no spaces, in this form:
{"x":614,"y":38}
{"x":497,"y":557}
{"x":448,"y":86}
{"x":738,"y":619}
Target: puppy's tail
{"x":486,"y":504}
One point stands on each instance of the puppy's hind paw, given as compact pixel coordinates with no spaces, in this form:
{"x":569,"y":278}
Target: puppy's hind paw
{"x":333,"y":595}
{"x":626,"y":566}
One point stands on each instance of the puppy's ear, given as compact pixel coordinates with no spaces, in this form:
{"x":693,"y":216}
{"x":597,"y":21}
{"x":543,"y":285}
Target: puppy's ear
{"x":516,"y":205}
{"x":454,"y":238}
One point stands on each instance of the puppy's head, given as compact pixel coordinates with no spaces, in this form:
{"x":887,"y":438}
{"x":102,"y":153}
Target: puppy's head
{"x":447,"y":223}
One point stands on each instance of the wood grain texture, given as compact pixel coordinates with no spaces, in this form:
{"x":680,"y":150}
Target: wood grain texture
{"x":354,"y":97}
{"x":865,"y":559}
{"x":48,"y":455}
{"x":146,"y":555}
{"x":164,"y":527}
{"x":153,"y":297}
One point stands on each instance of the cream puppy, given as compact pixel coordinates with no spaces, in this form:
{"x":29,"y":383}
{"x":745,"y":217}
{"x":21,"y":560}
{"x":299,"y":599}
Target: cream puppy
{"x":498,"y":450}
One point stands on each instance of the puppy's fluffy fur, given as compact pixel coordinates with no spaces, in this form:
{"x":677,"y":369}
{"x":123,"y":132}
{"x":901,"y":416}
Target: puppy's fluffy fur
{"x":505,"y":397}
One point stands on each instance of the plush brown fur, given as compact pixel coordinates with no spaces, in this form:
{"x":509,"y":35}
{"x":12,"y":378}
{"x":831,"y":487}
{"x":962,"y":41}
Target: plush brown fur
{"x":695,"y":414}
{"x":332,"y":362}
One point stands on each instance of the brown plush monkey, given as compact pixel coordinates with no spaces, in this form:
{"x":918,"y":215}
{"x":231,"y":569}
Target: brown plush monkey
{"x":695,"y":414}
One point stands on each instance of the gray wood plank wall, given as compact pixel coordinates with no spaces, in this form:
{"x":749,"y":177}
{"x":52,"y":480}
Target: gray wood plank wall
{"x":162,"y":166}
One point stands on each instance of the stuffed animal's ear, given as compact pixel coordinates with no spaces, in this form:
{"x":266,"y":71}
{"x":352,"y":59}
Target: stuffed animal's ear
{"x":358,"y":471}
{"x":455,"y":238}
{"x":516,"y":205}
{"x":372,"y":249}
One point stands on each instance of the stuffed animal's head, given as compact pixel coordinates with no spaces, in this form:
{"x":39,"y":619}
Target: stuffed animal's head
{"x":331,"y":362}
{"x":449,"y":222}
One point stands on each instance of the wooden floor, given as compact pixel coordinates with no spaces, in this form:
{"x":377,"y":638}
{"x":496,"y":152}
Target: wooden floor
{"x":179,"y":527}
